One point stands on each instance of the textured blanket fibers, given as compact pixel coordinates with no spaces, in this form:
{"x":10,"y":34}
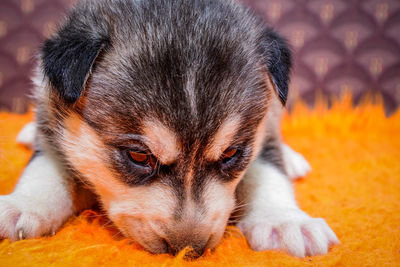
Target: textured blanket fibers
{"x":354,"y":185}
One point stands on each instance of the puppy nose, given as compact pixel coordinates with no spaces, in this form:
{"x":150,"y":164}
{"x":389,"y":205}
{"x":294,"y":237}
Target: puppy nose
{"x":197,"y":248}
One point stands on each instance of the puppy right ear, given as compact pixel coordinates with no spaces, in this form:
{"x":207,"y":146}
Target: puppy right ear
{"x":68,"y":57}
{"x":278,"y":60}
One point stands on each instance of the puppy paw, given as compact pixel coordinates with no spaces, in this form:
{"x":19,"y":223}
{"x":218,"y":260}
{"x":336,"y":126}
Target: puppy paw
{"x":296,"y":165}
{"x":17,"y":222}
{"x":27,"y":135}
{"x":290,"y":230}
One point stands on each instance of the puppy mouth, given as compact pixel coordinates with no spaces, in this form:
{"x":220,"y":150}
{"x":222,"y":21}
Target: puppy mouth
{"x":157,"y":239}
{"x":191,"y":251}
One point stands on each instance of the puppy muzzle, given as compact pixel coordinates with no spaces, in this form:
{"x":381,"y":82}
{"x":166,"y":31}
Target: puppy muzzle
{"x":194,"y":239}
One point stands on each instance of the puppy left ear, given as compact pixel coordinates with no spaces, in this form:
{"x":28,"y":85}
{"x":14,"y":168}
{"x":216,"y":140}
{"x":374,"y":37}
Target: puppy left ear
{"x":68,"y":59}
{"x":278,"y":60}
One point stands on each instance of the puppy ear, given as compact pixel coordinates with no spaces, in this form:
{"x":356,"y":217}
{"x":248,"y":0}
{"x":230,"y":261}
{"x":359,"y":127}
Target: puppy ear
{"x":69,"y":56}
{"x":278,"y":60}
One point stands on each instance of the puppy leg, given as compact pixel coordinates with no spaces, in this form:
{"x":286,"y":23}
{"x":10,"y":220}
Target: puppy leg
{"x":272,"y":219}
{"x":40,"y":203}
{"x":295,"y":164}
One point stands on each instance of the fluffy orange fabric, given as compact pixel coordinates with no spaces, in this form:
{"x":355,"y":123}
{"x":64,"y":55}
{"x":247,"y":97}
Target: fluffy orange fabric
{"x":354,"y":185}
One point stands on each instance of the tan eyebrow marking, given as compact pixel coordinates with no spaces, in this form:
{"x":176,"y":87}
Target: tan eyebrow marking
{"x":223,"y":137}
{"x":161,"y":141}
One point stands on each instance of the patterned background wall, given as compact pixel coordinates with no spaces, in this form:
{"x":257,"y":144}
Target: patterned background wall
{"x":338,"y":45}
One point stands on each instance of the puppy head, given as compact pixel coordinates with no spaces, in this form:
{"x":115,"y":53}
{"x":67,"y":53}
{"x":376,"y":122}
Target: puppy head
{"x":161,"y":106}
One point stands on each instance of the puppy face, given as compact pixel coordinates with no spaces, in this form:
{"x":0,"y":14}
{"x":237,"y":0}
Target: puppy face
{"x":160,"y":106}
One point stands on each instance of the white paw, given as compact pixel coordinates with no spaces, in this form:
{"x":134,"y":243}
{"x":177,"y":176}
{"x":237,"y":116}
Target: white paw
{"x":296,"y":165}
{"x":19,"y":221}
{"x":290,"y":230}
{"x":27,"y":135}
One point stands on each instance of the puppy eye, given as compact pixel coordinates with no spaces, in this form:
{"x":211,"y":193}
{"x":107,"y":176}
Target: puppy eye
{"x":228,"y":155}
{"x":142,"y":158}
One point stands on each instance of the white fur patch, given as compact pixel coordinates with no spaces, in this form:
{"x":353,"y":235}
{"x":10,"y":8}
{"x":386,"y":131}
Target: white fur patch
{"x":274,"y":221}
{"x":296,"y":165}
{"x":27,"y":135}
{"x":40,"y":203}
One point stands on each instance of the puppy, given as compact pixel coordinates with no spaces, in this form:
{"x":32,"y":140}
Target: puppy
{"x":166,"y":113}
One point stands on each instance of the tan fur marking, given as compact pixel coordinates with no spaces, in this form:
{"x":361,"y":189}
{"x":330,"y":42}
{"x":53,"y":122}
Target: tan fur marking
{"x":259,"y":136}
{"x":270,"y":84}
{"x":126,"y":205}
{"x":161,"y":141}
{"x":223,"y":138}
{"x":270,"y":124}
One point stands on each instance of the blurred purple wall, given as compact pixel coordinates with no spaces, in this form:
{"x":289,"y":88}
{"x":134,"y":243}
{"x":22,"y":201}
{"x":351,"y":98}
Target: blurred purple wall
{"x":339,"y":45}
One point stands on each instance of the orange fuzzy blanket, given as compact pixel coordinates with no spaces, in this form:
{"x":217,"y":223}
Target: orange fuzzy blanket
{"x":354,"y":185}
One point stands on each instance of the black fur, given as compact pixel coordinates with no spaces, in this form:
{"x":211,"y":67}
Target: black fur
{"x":271,"y":152}
{"x":278,"y":60}
{"x":68,"y":57}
